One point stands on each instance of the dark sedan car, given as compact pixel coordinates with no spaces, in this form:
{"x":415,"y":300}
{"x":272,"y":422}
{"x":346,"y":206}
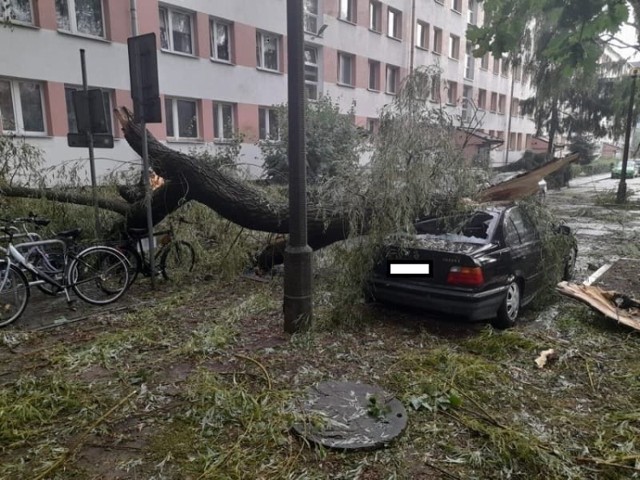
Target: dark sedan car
{"x":482,"y":265}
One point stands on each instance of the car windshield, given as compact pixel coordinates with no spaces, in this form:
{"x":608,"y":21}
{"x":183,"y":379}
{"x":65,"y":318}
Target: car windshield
{"x":473,"y":227}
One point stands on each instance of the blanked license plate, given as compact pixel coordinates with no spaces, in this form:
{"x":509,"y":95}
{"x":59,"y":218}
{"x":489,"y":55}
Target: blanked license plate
{"x":409,"y":268}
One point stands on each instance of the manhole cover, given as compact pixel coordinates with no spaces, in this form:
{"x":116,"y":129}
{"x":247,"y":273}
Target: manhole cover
{"x":351,"y":416}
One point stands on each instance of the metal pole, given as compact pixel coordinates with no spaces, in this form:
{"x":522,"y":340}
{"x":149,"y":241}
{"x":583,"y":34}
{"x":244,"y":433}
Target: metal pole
{"x":621,"y":197}
{"x":92,"y":159}
{"x":413,"y":37}
{"x":297,"y":260}
{"x":506,"y":154}
{"x":145,"y":164}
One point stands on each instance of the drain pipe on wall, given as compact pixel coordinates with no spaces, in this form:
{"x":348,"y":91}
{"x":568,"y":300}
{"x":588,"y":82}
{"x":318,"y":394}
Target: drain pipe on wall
{"x":508,"y":139}
{"x":413,"y":37}
{"x":134,"y":17}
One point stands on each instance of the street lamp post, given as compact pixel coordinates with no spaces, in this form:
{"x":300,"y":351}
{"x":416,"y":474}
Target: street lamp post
{"x":621,"y":197}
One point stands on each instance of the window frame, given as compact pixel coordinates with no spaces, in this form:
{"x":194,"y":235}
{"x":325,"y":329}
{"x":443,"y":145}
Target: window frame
{"x":502,"y":104}
{"x":493,"y":105}
{"x":260,"y":35}
{"x":318,"y":82}
{"x":171,"y":47}
{"x":351,"y":14}
{"x":352,"y":58}
{"x":377,"y":86}
{"x":482,"y":95}
{"x":422,"y":41}
{"x":472,"y":12}
{"x":454,"y":47}
{"x":457,"y":3}
{"x":267,"y":122}
{"x":375,"y":6}
{"x":16,"y":104}
{"x":484,"y":62}
{"x":452,"y":92}
{"x":13,"y":21}
{"x":176,"y":120}
{"x":219,"y":124}
{"x":73,"y":21}
{"x":396,"y":24}
{"x":396,"y":84}
{"x":213,"y":31}
{"x":307,"y":14}
{"x":436,"y":48}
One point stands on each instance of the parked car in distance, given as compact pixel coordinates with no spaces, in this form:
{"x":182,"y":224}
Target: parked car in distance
{"x":616,"y":172}
{"x":483,"y":265}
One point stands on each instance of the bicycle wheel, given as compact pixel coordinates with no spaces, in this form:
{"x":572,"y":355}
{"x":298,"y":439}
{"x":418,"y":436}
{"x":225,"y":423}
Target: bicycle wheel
{"x":134,"y":258}
{"x":14,"y":293}
{"x":53,"y":266}
{"x":99,"y":275}
{"x":177,"y":260}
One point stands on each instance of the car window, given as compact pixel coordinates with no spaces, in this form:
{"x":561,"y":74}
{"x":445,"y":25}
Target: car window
{"x":475,"y":227}
{"x":511,"y":236}
{"x":525,"y":227}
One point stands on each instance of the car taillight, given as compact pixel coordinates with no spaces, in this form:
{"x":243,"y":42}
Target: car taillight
{"x":465,"y":276}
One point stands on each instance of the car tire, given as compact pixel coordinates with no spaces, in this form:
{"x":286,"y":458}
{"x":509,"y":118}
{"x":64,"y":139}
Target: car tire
{"x":509,"y":308}
{"x":570,"y":265}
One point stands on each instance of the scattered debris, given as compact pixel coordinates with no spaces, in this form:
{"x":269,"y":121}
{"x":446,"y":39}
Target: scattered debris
{"x":617,"y":306}
{"x":545,"y":357}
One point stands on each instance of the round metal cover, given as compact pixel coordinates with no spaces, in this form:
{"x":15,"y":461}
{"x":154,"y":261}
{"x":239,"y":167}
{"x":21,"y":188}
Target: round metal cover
{"x":350,"y":416}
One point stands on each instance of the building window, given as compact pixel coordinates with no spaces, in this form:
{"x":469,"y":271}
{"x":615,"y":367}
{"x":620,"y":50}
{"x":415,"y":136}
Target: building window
{"x":496,"y":66}
{"x":517,"y":72}
{"x":181,"y":117}
{"x":437,"y":40}
{"x":17,"y":11}
{"x":467,"y":103}
{"x":348,"y":10}
{"x":422,"y":35}
{"x":311,"y":16}
{"x":502,"y":100}
{"x":505,"y":67}
{"x":220,"y":40}
{"x":346,"y":69}
{"x":472,"y":12}
{"x":452,"y":93}
{"x":435,"y":89}
{"x":512,"y":141}
{"x":268,"y":51}
{"x":482,"y":99}
{"x":268,"y":128}
{"x":80,"y":16}
{"x":469,"y":62}
{"x":176,"y":29}
{"x":454,"y":47}
{"x":394,"y":23}
{"x":519,"y":142}
{"x":494,"y":102}
{"x":374,"y":75}
{"x":311,"y":72}
{"x":21,"y":107}
{"x":71,"y":112}
{"x":456,"y":5}
{"x":373,"y":125}
{"x":515,"y":107}
{"x":484,"y":61}
{"x":393,"y":78}
{"x":375,"y":16}
{"x":223,"y":121}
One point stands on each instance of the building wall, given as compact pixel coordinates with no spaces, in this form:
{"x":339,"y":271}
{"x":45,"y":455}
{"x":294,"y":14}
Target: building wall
{"x":51,"y":57}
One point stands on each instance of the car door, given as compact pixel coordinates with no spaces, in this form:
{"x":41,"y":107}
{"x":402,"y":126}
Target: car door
{"x":527,"y":254}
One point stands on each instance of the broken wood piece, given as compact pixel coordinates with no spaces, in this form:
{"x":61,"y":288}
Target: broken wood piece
{"x":545,"y":357}
{"x":611,"y":304}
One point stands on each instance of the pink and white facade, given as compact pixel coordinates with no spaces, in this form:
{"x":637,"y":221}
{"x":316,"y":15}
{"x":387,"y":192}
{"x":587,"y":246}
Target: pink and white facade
{"x":223,"y":64}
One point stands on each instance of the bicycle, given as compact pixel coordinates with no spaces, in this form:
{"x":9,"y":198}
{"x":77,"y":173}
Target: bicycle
{"x":98,"y":275}
{"x":174,"y":258}
{"x":50,"y":262}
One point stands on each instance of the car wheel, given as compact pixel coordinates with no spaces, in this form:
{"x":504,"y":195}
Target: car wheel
{"x":510,"y":307}
{"x":570,"y":265}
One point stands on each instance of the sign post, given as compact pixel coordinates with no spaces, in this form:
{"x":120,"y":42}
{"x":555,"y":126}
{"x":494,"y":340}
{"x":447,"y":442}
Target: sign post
{"x":145,"y":92}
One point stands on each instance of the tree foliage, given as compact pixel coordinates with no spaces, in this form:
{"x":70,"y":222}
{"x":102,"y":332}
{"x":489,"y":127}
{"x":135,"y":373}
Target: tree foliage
{"x":333,"y":142}
{"x":560,"y":44}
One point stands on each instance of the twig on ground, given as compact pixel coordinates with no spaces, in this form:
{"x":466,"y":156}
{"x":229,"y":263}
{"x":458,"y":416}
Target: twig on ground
{"x":442,"y":471}
{"x":260,"y":365}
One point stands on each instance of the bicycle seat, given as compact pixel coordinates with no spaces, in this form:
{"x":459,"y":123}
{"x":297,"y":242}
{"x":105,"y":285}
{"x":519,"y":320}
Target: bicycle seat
{"x":137,"y":232}
{"x":70,"y":234}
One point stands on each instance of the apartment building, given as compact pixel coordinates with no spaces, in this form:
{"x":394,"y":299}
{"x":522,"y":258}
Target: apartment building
{"x":223,"y":66}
